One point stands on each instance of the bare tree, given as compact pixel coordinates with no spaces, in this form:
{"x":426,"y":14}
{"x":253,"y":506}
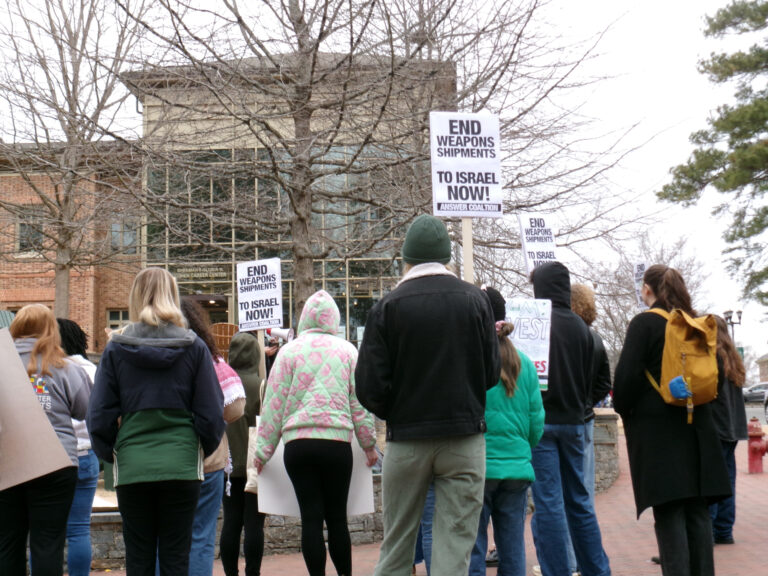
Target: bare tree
{"x":615,"y":290}
{"x":335,"y":95}
{"x":60,"y":93}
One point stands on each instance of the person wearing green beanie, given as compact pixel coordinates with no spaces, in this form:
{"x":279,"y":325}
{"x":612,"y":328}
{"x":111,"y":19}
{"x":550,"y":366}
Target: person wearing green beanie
{"x":428,"y":355}
{"x":427,"y":240}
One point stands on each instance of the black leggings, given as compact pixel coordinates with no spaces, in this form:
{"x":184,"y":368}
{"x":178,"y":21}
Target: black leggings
{"x":241,"y":509}
{"x":320,"y":471}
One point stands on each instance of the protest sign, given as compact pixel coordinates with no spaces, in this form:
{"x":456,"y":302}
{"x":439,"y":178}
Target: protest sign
{"x":466,"y":164}
{"x":537,"y":240}
{"x":276,"y":495}
{"x":532,"y":320}
{"x":259,"y":294}
{"x":638,"y":272}
{"x":29,"y":446}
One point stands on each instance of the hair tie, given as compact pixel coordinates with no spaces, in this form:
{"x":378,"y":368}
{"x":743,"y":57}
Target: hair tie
{"x":499,"y":326}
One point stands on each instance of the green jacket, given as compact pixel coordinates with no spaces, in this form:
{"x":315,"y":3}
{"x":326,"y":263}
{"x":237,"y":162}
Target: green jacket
{"x":514,"y":425}
{"x":244,"y":358}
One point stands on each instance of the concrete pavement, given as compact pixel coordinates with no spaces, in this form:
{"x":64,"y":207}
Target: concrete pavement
{"x":629,"y":542}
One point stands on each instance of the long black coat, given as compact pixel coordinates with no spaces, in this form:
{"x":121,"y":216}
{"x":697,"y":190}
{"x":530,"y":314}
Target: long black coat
{"x":669,"y":459}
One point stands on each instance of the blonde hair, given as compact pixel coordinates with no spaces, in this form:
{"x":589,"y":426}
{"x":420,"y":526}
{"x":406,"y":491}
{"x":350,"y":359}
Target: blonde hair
{"x":154,"y":299}
{"x":37,"y":321}
{"x":583,"y":303}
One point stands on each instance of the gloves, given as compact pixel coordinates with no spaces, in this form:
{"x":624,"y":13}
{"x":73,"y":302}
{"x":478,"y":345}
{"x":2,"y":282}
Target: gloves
{"x":679,"y":388}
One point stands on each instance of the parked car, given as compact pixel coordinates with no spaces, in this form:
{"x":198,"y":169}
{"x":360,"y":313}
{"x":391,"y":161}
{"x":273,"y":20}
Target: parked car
{"x":765,"y":407}
{"x":756,"y":392}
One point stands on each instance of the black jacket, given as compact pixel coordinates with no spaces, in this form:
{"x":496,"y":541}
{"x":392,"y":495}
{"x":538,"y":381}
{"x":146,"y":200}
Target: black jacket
{"x":570,"y":349}
{"x":669,"y":459}
{"x":600,"y":384}
{"x":428,"y":355}
{"x":728,"y":411}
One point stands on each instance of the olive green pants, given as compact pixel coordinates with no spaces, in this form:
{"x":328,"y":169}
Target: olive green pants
{"x":457,"y":465}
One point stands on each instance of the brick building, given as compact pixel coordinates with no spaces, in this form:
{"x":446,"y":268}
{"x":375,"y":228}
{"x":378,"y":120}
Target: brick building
{"x":98,"y":294}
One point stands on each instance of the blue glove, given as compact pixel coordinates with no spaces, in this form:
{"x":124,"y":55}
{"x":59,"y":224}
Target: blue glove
{"x":679,"y":389}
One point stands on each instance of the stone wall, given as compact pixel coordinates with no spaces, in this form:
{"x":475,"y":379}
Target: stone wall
{"x":606,"y":438}
{"x":282,"y":535}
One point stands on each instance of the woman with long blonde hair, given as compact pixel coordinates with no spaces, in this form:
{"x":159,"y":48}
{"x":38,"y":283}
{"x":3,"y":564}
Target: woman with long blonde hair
{"x":156,"y":412}
{"x":39,"y":508}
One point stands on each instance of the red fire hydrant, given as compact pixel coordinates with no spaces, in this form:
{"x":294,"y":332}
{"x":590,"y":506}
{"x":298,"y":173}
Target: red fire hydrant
{"x":757,"y":446}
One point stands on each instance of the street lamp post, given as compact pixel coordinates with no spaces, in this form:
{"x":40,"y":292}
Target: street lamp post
{"x":728,"y":315}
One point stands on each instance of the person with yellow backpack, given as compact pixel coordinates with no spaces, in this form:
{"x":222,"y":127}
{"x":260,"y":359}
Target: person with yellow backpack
{"x":675,"y":460}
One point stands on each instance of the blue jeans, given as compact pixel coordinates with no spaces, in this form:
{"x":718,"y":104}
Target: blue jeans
{"x":424,"y":541}
{"x":504,"y":501}
{"x":558,"y":461}
{"x":79,"y":520}
{"x":204,"y":527}
{"x":723,"y":513}
{"x":201,"y":552}
{"x":589,"y":480}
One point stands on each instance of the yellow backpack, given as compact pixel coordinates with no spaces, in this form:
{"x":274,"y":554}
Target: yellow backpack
{"x":690,"y":351}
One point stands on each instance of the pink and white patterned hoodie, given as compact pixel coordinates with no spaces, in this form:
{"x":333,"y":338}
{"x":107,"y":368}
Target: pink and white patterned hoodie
{"x":311,"y":387}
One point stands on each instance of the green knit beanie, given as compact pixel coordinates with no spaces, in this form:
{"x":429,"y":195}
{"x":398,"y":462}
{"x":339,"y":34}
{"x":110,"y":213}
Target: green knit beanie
{"x":427,"y":241}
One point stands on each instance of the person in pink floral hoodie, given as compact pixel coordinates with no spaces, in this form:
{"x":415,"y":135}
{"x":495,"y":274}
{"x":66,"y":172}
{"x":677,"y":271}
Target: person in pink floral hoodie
{"x":310,"y":403}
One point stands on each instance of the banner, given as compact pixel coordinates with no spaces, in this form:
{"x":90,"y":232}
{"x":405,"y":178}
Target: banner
{"x":29,"y":447}
{"x":466,"y":164}
{"x":537,"y":240}
{"x":532,"y":319}
{"x":276,"y":494}
{"x":259,"y":294}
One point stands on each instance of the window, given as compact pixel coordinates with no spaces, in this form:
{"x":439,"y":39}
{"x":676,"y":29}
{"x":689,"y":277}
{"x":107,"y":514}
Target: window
{"x":30,"y":230}
{"x":123,"y":237}
{"x":116,"y":319}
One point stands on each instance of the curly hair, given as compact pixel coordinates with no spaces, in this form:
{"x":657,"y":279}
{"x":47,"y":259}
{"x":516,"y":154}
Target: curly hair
{"x":195,"y":316}
{"x":583,"y":302}
{"x":73,"y":339}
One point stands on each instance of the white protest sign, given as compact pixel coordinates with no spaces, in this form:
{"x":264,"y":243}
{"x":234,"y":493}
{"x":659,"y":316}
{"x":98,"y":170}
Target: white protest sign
{"x":638,"y":271}
{"x":532,"y":319}
{"x":276,"y":495}
{"x":538,"y":239}
{"x":466,"y":164}
{"x":259,"y":294}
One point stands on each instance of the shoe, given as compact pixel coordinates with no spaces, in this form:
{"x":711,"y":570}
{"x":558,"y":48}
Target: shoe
{"x":727,"y":540}
{"x":492,"y":559}
{"x":536,"y":570}
{"x":656,"y":560}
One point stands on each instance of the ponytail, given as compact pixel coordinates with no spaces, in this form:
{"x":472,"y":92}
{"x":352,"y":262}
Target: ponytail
{"x":510,"y":359}
{"x":669,"y":288}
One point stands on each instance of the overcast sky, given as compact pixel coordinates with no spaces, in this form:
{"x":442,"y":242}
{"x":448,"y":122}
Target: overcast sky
{"x":650,"y":52}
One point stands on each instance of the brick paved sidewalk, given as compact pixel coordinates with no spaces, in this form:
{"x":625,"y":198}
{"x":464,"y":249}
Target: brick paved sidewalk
{"x":629,"y":542}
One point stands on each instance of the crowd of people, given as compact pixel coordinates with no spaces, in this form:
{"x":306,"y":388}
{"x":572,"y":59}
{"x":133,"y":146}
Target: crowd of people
{"x":470,"y":431}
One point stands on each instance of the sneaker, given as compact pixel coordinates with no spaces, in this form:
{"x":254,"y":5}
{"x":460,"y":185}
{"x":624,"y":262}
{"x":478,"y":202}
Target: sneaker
{"x":536,"y":570}
{"x":656,"y":560}
{"x":726,"y":540}
{"x":492,"y":559}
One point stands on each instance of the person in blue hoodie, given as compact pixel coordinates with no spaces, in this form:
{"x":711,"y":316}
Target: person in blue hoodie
{"x":156,"y":411}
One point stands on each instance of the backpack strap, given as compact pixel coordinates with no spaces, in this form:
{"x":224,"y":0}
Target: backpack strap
{"x":664,"y":314}
{"x":661,"y":312}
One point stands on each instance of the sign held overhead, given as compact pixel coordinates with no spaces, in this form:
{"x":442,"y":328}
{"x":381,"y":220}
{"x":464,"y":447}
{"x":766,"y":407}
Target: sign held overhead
{"x":466,"y":165}
{"x":259,"y":294}
{"x":537,"y":237}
